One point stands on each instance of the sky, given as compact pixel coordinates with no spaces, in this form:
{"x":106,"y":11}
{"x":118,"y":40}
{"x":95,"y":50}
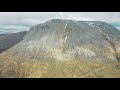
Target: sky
{"x":12,"y":22}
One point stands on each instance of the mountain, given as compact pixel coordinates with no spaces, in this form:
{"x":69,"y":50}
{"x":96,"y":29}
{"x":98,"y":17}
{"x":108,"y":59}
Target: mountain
{"x":69,"y":40}
{"x":9,"y":40}
{"x":64,"y":48}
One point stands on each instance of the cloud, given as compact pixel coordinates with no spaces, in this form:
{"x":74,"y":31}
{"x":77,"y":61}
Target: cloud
{"x":20,"y":21}
{"x":25,"y":18}
{"x":61,"y":14}
{"x":12,"y":28}
{"x":39,"y":17}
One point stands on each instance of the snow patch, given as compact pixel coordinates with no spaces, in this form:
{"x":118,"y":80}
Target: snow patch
{"x":118,"y":28}
{"x":90,"y":23}
{"x":65,"y":26}
{"x":65,"y":39}
{"x":99,"y":30}
{"x":49,"y":20}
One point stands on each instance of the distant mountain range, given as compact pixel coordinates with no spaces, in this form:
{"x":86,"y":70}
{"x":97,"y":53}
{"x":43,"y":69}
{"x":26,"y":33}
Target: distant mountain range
{"x":2,"y":34}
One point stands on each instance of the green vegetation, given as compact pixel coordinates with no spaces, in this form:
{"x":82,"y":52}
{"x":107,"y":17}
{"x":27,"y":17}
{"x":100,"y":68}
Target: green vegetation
{"x":15,"y":68}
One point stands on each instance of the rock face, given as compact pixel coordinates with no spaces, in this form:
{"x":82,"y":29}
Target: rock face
{"x":9,"y":40}
{"x":69,"y":40}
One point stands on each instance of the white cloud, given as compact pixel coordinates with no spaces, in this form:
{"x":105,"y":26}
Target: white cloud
{"x":61,"y":14}
{"x":12,"y":28}
{"x":29,"y":18}
{"x":39,"y":17}
{"x":23,"y":20}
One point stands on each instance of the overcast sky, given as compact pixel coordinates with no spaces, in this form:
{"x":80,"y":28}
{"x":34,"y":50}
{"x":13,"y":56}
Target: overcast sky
{"x":11,"y":22}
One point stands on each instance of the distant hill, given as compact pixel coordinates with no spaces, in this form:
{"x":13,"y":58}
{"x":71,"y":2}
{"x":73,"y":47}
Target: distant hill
{"x":9,"y":40}
{"x":2,"y":34}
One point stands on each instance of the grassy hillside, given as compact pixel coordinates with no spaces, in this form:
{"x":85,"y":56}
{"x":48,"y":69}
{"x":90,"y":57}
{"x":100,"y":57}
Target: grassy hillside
{"x":15,"y":68}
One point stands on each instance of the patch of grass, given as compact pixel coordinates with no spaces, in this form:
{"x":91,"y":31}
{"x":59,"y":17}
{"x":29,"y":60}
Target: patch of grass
{"x":24,"y":68}
{"x":12,"y":68}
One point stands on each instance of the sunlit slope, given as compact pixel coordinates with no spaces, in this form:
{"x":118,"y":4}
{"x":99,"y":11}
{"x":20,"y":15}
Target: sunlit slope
{"x":30,"y":68}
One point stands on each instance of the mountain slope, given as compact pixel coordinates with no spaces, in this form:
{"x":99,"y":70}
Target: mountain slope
{"x":69,"y":40}
{"x":9,"y":40}
{"x":64,"y":48}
